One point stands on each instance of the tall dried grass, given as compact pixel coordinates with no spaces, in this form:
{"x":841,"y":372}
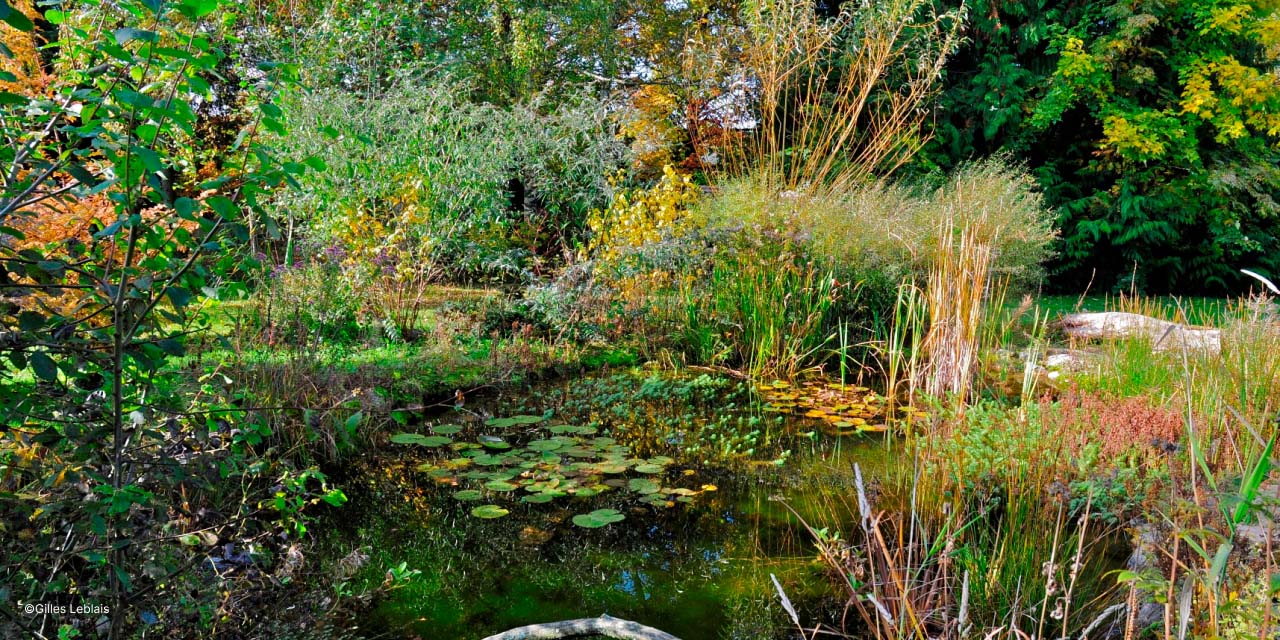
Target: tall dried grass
{"x":959,"y":282}
{"x":838,"y":101}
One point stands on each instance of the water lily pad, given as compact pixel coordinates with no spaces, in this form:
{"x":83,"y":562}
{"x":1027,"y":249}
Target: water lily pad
{"x":598,"y":518}
{"x":538,"y":498}
{"x":468,"y":494}
{"x":491,"y":442}
{"x":513,"y":421}
{"x":643,"y":485}
{"x":544,"y":445}
{"x":407,"y":438}
{"x":500,"y":485}
{"x":446,"y":429}
{"x":489,"y":511}
{"x":649,"y":468}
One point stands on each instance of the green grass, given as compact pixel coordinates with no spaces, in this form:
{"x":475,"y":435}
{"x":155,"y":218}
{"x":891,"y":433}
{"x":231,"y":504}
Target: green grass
{"x":1199,"y":311}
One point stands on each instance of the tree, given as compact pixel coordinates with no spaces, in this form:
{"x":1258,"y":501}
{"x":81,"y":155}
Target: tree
{"x":1152,"y":127}
{"x":103,"y":452}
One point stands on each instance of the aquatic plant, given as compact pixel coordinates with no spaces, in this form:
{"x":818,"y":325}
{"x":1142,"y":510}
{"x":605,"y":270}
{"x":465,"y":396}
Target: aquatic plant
{"x":517,"y":455}
{"x":841,"y":409}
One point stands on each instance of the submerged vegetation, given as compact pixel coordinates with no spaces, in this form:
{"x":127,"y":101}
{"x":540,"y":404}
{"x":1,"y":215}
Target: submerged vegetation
{"x":728,"y":318}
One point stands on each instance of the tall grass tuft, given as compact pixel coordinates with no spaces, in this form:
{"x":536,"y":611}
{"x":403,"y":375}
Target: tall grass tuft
{"x":838,"y":101}
{"x":767,"y":314}
{"x":958,"y":285}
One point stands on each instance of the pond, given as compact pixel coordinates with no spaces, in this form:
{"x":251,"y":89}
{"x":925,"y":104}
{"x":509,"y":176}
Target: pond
{"x":700,"y":514}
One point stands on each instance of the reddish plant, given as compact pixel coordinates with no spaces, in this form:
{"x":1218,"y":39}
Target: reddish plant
{"x":1119,"y":425}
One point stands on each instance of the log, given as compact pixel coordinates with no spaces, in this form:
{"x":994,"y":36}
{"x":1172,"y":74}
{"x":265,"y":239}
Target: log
{"x":606,"y":625}
{"x":1162,"y":333}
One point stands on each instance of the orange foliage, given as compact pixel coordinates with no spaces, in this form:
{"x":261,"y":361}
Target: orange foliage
{"x":67,"y":219}
{"x":31,"y":77}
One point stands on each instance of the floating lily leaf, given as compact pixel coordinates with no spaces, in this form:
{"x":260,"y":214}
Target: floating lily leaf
{"x":513,"y":421}
{"x":538,"y":498}
{"x":446,"y":429}
{"x":648,"y":468}
{"x":544,"y":445}
{"x":598,"y":518}
{"x":419,"y":439}
{"x":500,"y":485}
{"x":494,"y":443}
{"x":643,"y":486}
{"x":468,"y":494}
{"x":489,"y":511}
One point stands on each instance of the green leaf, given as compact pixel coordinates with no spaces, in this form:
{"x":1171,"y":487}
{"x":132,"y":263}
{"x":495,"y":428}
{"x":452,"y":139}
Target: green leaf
{"x":82,"y":174}
{"x":643,"y":486}
{"x":489,"y":511}
{"x":500,"y":485}
{"x":223,"y":206}
{"x":186,"y":208}
{"x":15,"y":18}
{"x":178,"y":296}
{"x":44,"y":366}
{"x":335,"y":497}
{"x":353,"y":421}
{"x":598,"y":518}
{"x":467,"y":495}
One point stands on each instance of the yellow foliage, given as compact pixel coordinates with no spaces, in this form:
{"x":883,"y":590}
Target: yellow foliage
{"x":1233,"y":96}
{"x":30,"y":76}
{"x":1229,"y":19}
{"x":643,"y":216}
{"x":1076,"y":61}
{"x":389,"y":232}
{"x":649,"y":126}
{"x":1142,"y":136}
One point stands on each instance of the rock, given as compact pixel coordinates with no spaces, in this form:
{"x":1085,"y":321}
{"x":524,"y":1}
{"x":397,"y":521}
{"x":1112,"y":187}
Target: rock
{"x":1163,"y":334}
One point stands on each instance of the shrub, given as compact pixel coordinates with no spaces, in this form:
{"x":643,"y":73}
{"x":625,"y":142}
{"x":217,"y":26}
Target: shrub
{"x":478,"y":190}
{"x":305,"y":302}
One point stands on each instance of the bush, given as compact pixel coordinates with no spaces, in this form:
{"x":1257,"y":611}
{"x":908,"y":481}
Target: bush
{"x":302,"y":303}
{"x":473,"y":189}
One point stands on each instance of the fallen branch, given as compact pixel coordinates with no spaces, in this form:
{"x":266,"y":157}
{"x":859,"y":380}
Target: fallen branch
{"x":1163,"y":334}
{"x":605,"y":625}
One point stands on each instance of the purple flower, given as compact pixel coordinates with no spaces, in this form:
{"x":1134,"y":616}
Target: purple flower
{"x":335,"y":253}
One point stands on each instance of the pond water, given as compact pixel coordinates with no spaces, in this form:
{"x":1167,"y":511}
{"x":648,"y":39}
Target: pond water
{"x":697,"y":566}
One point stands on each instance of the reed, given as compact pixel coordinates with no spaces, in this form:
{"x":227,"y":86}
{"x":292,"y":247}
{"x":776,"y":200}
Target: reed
{"x":958,"y":284}
{"x":771,"y":313}
{"x":838,"y":101}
